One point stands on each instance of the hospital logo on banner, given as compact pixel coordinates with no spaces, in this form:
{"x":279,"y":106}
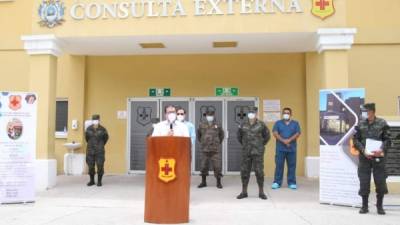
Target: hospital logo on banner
{"x":15,"y":102}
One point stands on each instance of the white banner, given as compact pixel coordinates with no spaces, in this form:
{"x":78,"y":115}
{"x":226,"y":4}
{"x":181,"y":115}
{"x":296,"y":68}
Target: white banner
{"x":17,"y":146}
{"x":338,"y":177}
{"x":339,"y":114}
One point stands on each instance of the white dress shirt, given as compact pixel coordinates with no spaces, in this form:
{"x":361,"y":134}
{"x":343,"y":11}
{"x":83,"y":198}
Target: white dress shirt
{"x":162,"y":129}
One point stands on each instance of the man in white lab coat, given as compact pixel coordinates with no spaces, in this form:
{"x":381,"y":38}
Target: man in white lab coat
{"x":171,"y":126}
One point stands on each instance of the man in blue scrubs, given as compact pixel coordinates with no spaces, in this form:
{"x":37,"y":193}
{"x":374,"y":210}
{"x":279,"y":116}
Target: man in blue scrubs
{"x":286,"y":132}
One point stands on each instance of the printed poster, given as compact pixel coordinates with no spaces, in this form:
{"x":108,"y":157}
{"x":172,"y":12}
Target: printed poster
{"x":17,"y":146}
{"x":339,"y":112}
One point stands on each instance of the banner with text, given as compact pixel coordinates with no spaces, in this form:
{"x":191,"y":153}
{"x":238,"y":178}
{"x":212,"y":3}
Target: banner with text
{"x":339,"y":114}
{"x":17,"y":146}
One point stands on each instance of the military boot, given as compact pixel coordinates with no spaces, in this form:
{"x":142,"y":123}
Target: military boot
{"x":243,"y":194}
{"x":99,"y":178}
{"x":261,"y":193}
{"x":379,"y":204}
{"x":364,"y":208}
{"x":91,"y":182}
{"x":203,"y":182}
{"x":219,"y":184}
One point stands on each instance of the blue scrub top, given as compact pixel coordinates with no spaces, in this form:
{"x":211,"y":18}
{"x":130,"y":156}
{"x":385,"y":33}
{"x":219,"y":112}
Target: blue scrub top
{"x":286,"y":131}
{"x":192,"y":132}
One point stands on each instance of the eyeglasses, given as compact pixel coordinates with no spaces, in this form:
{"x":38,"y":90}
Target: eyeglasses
{"x":181,"y":114}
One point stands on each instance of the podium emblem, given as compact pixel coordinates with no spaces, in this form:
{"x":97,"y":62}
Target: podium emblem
{"x":166,"y":171}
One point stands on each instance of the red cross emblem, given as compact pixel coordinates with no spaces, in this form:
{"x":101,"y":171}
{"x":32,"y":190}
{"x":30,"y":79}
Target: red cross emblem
{"x":322,"y":4}
{"x":322,"y":8}
{"x":166,"y":169}
{"x":15,"y":102}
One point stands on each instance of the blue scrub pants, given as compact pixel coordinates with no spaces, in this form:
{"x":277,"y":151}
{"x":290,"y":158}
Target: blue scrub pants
{"x":290,"y":157}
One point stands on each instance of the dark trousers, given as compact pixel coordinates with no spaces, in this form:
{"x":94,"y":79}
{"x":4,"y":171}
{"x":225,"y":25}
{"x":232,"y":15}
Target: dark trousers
{"x":95,"y":159}
{"x":290,"y":158}
{"x":252,"y":161}
{"x":377,"y":168}
{"x":215,"y":159}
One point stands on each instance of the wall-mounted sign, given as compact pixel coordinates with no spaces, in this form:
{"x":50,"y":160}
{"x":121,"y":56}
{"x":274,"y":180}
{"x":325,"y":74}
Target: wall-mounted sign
{"x":323,"y":8}
{"x":51,"y":13}
{"x":160,"y":92}
{"x":121,"y":115}
{"x":226,"y":91}
{"x":173,"y":8}
{"x":272,"y":110}
{"x":393,"y":152}
{"x":398,"y":105}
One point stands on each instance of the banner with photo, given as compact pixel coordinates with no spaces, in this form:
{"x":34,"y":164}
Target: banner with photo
{"x":17,"y":146}
{"x":340,"y":112}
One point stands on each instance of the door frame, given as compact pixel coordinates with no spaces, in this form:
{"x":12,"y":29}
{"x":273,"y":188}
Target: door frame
{"x":226,"y":100}
{"x":128,"y":130}
{"x":190,"y":117}
{"x":217,"y":99}
{"x":171,"y":99}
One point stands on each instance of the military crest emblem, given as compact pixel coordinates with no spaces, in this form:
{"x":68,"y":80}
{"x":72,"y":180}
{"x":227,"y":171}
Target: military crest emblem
{"x":51,"y":13}
{"x":166,"y":170}
{"x":143,"y":115}
{"x":323,"y":8}
{"x":241,"y":113}
{"x":15,"y":102}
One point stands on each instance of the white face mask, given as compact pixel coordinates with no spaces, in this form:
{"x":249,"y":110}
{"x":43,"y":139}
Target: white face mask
{"x":286,"y":116}
{"x":171,"y":117}
{"x":96,"y":122}
{"x":180,"y":118}
{"x":210,"y":118}
{"x":251,"y":115}
{"x":364,"y":115}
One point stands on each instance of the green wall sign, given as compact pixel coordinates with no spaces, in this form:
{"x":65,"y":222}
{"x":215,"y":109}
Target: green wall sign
{"x":226,"y":91}
{"x":160,"y":92}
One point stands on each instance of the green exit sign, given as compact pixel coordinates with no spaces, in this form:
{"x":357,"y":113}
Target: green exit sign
{"x":226,"y":91}
{"x":160,"y":92}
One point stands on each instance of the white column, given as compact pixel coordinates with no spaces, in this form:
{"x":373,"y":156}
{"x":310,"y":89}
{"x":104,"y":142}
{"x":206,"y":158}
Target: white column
{"x":43,"y":51}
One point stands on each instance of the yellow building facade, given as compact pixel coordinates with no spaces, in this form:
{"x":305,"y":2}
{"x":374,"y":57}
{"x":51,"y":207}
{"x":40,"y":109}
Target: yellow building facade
{"x":100,"y":53}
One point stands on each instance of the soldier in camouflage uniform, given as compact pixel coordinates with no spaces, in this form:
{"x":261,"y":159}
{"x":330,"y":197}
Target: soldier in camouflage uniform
{"x":96,"y":137}
{"x":371,"y":127}
{"x":253,"y":134}
{"x":210,"y":135}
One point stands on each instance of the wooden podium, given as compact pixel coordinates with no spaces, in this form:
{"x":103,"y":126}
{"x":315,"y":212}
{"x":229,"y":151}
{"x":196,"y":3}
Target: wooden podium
{"x":167,"y":180}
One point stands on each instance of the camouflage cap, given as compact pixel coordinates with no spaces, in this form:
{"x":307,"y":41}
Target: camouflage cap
{"x":96,"y":117}
{"x":253,"y":109}
{"x":369,"y":106}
